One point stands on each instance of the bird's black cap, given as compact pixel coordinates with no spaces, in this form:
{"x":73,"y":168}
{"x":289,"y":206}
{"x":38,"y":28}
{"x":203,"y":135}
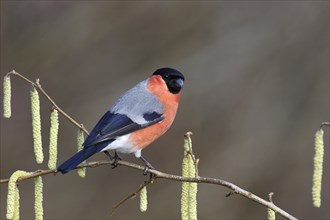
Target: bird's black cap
{"x":169,"y":72}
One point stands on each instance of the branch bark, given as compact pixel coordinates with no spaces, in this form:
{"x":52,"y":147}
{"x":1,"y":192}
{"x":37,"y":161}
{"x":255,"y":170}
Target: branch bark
{"x":161,"y":175}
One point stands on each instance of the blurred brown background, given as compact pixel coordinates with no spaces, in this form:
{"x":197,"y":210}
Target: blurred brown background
{"x":256,"y":90}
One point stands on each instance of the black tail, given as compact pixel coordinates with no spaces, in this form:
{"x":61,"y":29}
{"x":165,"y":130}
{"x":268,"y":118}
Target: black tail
{"x":79,"y":157}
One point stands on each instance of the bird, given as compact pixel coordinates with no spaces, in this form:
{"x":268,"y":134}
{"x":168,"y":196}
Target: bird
{"x":139,"y":117}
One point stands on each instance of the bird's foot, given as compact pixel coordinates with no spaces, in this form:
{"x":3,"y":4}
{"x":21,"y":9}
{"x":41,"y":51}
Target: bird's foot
{"x":147,"y":168}
{"x":114,"y":159}
{"x":146,"y":171}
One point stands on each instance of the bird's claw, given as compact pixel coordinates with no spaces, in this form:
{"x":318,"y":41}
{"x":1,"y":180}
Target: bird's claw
{"x":146,"y":170}
{"x":114,"y":164}
{"x":114,"y":159}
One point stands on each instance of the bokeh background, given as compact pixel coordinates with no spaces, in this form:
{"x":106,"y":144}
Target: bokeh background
{"x":256,"y":90}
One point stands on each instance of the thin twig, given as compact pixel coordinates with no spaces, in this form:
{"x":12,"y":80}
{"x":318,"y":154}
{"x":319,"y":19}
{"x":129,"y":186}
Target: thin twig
{"x":38,"y":85}
{"x":162,"y":175}
{"x":270,"y":197}
{"x":130,"y":196}
{"x":325,"y":124}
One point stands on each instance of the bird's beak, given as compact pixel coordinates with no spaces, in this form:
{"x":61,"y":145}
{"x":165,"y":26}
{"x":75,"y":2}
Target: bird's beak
{"x":178,"y":83}
{"x":175,"y":85}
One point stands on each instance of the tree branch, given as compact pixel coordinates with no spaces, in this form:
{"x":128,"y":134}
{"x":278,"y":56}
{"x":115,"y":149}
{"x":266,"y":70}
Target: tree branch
{"x":161,"y":175}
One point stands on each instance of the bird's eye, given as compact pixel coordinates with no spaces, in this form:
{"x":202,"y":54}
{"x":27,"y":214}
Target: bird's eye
{"x":166,"y":76}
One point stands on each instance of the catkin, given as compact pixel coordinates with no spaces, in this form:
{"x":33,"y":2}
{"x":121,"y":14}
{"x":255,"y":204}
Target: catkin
{"x":6,"y":97}
{"x":318,"y":168}
{"x":38,"y":198}
{"x":185,"y":191}
{"x":36,"y":125}
{"x":80,"y":141}
{"x":270,"y":214}
{"x":16,"y":208}
{"x":54,"y":125}
{"x":189,"y":190}
{"x":143,"y":199}
{"x":13,"y":195}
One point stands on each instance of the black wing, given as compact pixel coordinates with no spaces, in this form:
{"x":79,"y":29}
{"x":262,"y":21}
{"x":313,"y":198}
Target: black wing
{"x":112,"y":125}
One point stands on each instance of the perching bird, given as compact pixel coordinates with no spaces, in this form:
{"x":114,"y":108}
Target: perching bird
{"x":138,"y":117}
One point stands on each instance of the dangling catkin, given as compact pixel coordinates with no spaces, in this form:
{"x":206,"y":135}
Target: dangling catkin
{"x":13,"y":194}
{"x":318,"y":168}
{"x":270,"y":214}
{"x":185,"y":190}
{"x":16,"y":209}
{"x":6,"y":97}
{"x":189,"y":190}
{"x":36,"y":125}
{"x":80,"y":141}
{"x":54,"y":125}
{"x":143,"y":199}
{"x":38,"y":198}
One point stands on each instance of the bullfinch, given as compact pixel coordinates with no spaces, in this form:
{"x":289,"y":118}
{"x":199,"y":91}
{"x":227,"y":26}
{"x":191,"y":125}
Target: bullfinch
{"x":137,"y":118}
